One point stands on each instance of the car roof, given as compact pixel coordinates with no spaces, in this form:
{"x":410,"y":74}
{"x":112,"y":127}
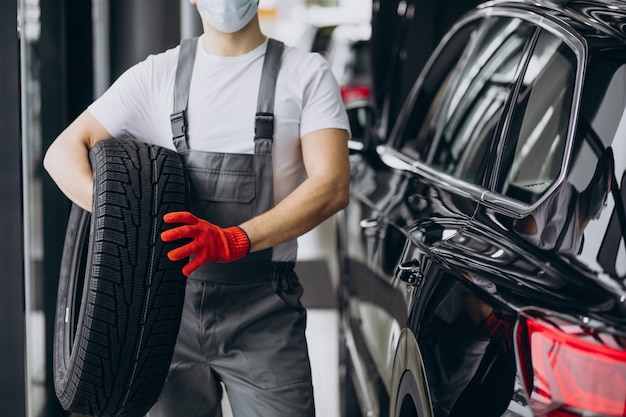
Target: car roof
{"x":600,"y":22}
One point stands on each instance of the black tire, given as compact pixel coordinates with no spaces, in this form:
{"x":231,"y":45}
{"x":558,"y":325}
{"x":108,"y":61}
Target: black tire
{"x":347,"y":395}
{"x":348,"y":402}
{"x":408,"y":403}
{"x":120,"y":299}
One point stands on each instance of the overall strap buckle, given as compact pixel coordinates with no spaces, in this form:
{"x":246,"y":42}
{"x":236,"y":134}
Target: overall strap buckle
{"x":179,"y":128}
{"x":264,"y":126}
{"x":184,"y":69}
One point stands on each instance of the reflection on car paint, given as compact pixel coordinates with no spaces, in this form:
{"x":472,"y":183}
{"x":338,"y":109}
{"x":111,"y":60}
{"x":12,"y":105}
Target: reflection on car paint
{"x":488,"y":231}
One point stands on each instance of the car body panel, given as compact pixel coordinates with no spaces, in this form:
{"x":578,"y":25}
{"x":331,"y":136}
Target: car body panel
{"x":497,"y":198}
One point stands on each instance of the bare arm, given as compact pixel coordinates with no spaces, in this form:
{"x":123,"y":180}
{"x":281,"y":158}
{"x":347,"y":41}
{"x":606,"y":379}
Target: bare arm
{"x":67,"y":159}
{"x":322,"y":194}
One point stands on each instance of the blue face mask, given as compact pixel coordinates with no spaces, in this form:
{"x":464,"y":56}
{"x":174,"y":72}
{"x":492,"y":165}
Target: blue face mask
{"x":227,"y":16}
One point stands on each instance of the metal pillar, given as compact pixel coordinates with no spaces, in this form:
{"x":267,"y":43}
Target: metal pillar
{"x":190,"y":22}
{"x":101,"y":46}
{"x":140,"y":28}
{"x":12,"y":348}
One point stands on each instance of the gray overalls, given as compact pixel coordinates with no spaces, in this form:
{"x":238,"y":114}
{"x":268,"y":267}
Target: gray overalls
{"x":242,"y":322}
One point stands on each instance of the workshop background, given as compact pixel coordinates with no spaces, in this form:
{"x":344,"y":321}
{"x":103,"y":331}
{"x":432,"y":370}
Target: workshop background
{"x":58,"y":55}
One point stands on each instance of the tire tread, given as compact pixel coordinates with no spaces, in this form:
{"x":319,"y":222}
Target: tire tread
{"x":128,"y":324}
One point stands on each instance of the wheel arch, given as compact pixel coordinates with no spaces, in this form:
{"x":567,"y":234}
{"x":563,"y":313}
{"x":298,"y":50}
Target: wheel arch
{"x":409,"y":378}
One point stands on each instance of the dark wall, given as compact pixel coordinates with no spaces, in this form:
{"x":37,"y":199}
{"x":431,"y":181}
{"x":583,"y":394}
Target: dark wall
{"x":139,"y":28}
{"x":12,"y":348}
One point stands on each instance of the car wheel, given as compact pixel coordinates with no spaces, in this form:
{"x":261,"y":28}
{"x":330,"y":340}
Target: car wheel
{"x":120,"y":299}
{"x":347,"y":395}
{"x":348,"y":401}
{"x":408,"y":403}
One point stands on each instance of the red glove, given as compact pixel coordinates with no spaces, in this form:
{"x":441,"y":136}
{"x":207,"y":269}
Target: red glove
{"x":210,"y":243}
{"x":499,"y":327}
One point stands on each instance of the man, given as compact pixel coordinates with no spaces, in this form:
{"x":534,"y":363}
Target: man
{"x":243,"y":324}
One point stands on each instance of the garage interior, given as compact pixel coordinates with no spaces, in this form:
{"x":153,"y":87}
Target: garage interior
{"x":58,"y":56}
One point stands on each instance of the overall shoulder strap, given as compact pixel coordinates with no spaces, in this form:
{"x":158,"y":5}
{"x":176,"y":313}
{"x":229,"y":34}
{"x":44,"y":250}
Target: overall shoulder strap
{"x":184,"y":69}
{"x":264,"y":121}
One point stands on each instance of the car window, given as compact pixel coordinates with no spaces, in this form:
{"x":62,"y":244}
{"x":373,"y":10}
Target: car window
{"x":478,"y":99}
{"x":418,"y":122}
{"x":539,"y":125}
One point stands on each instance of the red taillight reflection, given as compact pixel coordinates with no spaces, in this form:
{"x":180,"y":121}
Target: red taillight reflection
{"x":355,"y":92}
{"x":568,"y":376}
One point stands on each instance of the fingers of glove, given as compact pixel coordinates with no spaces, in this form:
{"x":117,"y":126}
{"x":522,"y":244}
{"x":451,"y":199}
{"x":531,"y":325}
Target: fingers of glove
{"x":192,"y":265}
{"x":180,"y":217}
{"x":180,"y":232}
{"x":183,"y":252}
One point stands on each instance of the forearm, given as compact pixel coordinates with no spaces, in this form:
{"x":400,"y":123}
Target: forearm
{"x":67,"y":159}
{"x":322,"y":194}
{"x":305,"y":208}
{"x":71,"y":173}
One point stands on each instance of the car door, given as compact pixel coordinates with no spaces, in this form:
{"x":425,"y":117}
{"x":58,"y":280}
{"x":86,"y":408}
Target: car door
{"x":411,"y":195}
{"x":452,"y":157}
{"x":531,"y":243}
{"x":530,"y":165}
{"x":541,"y":240}
{"x":373,"y":241}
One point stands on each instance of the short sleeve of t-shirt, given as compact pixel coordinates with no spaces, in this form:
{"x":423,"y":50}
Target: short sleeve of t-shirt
{"x":322,"y":104}
{"x":136,"y":105}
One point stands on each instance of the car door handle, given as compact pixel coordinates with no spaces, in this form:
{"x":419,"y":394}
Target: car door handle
{"x":409,"y":272}
{"x":369,"y":223}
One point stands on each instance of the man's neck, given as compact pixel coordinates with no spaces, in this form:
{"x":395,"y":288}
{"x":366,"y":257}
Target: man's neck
{"x":233,"y":44}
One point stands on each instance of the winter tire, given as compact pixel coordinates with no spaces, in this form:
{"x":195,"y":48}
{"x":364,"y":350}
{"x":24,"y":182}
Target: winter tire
{"x":120,"y":299}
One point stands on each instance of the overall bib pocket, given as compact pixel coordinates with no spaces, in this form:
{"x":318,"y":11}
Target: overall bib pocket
{"x":224,"y":196}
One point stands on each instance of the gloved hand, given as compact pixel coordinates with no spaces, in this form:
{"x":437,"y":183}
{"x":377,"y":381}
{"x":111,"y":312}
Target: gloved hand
{"x":210,"y":243}
{"x":499,"y":326}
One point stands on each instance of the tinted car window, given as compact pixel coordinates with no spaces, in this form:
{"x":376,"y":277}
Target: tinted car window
{"x":540,"y":121}
{"x":479,"y":98}
{"x":598,"y":168}
{"x":416,"y":133}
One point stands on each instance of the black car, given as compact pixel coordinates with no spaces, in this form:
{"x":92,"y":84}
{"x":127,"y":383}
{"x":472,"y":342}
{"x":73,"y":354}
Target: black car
{"x":483,"y":253}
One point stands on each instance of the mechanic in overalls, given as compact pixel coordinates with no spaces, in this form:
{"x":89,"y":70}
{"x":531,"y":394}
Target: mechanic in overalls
{"x":263,"y":134}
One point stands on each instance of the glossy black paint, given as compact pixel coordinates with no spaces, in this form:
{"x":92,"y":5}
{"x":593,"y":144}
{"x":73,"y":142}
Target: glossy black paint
{"x":505,"y":199}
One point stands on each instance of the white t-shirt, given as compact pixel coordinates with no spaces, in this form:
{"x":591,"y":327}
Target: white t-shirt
{"x":222,"y":105}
